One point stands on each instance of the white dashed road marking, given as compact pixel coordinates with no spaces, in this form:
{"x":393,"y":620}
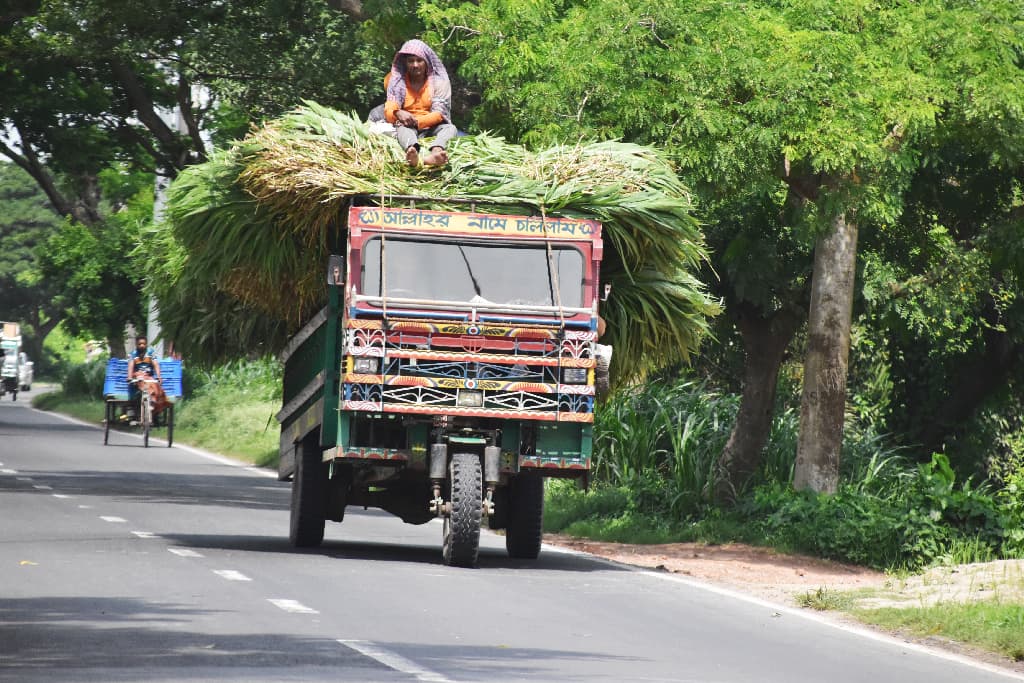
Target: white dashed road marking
{"x":42,"y":487}
{"x":9,"y":471}
{"x":144,"y":534}
{"x":23,"y":478}
{"x":293,"y":606}
{"x":61,"y":495}
{"x":231,"y":575}
{"x":394,"y":661}
{"x":113,"y":520}
{"x":184,"y":552}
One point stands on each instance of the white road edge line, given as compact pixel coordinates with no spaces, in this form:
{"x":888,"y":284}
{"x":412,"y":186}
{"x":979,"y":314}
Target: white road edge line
{"x":861,"y":631}
{"x":231,"y":575}
{"x":189,"y":449}
{"x":293,"y":606}
{"x":184,"y":552}
{"x":394,"y":661}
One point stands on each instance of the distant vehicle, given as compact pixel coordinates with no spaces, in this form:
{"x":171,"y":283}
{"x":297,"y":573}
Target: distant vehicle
{"x":25,"y":372}
{"x":10,"y":344}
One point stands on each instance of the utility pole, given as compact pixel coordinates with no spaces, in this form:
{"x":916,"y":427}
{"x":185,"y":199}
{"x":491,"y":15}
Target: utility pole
{"x":176,"y":121}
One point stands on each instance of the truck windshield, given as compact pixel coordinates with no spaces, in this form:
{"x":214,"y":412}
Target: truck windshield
{"x":498,"y":273}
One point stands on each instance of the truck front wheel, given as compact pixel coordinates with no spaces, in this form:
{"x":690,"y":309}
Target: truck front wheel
{"x":309,"y":497}
{"x":525,"y":516}
{"x":462,"y":525}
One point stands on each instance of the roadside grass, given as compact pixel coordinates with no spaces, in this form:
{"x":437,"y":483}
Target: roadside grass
{"x":825,"y":599}
{"x":994,"y":625}
{"x":79,"y":407}
{"x":607,"y":513}
{"x":231,"y":424}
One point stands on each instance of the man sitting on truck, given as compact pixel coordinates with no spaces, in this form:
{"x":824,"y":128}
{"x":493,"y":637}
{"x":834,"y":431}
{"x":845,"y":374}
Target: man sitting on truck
{"x":419,"y":97}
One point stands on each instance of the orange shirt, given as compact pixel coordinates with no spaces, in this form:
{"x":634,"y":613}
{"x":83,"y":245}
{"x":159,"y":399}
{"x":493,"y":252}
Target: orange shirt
{"x":416,"y":103}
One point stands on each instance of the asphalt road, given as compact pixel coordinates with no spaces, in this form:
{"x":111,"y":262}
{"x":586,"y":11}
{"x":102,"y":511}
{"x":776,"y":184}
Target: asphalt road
{"x":121,"y":563}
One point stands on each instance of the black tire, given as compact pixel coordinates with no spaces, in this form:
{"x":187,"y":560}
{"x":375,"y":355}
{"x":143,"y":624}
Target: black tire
{"x":106,"y":422}
{"x":309,"y":497}
{"x":525,"y":516}
{"x":462,"y":527}
{"x":146,"y":415}
{"x":169,"y":416}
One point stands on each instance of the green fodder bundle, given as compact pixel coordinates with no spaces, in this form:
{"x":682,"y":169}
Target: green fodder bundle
{"x":248,"y":232}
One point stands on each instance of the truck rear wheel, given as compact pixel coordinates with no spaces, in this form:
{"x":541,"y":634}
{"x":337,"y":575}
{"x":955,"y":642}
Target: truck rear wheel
{"x":309,"y":497}
{"x":462,"y":526}
{"x":525,"y":516}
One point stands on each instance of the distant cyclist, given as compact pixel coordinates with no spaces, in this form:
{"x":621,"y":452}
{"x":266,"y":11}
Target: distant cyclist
{"x":142,"y":364}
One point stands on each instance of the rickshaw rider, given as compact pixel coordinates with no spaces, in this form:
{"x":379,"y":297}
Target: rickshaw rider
{"x":144,"y":363}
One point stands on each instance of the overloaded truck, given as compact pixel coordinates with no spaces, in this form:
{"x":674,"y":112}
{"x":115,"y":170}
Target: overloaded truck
{"x":11,"y":358}
{"x":452,"y":369}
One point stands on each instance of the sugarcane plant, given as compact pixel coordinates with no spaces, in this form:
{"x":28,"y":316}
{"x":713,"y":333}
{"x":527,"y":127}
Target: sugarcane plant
{"x":238,"y":260}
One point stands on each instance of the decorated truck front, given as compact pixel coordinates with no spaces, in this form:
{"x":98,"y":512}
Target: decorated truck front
{"x":458,"y":370}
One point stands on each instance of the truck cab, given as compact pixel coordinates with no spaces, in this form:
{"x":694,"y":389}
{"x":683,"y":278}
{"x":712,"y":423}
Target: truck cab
{"x":451,"y":371}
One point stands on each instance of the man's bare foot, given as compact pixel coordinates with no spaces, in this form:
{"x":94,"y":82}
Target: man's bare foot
{"x":412,"y":156}
{"x":437,"y":157}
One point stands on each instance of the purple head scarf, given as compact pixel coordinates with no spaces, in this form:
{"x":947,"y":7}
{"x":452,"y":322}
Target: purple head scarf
{"x":440,"y":86}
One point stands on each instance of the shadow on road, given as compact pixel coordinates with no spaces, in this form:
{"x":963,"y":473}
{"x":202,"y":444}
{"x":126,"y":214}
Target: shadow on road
{"x":124,"y":639}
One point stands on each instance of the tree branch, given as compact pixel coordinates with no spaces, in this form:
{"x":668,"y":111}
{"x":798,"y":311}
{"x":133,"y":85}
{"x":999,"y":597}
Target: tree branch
{"x":28,"y":160}
{"x":188,"y":116}
{"x":167,"y":141}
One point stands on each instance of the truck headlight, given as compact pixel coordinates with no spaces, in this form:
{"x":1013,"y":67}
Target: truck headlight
{"x":574,"y":375}
{"x":470,"y":399}
{"x":365,"y":366}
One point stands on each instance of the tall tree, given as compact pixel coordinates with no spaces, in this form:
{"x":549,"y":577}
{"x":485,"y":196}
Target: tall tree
{"x":26,"y":222}
{"x":829,"y":104}
{"x":86,"y":87}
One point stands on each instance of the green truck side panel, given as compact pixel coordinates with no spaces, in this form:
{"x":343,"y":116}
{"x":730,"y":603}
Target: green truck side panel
{"x":331,"y":363}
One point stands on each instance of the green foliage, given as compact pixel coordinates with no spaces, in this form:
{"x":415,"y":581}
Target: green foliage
{"x":81,"y":380}
{"x":912,"y":522}
{"x":25,"y":223}
{"x":889,"y":512}
{"x":662,"y":440}
{"x":99,"y":291}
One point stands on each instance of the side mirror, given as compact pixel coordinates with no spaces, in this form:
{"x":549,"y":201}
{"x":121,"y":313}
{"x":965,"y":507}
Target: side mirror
{"x":336,"y":270}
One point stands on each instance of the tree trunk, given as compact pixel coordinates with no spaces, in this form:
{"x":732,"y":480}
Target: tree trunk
{"x":116,"y":344}
{"x":40,"y":331}
{"x":765,"y":339}
{"x":823,"y":402}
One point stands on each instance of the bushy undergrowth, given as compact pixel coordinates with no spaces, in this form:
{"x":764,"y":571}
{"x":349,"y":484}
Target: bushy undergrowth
{"x":84,"y":379}
{"x":655,"y":453}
